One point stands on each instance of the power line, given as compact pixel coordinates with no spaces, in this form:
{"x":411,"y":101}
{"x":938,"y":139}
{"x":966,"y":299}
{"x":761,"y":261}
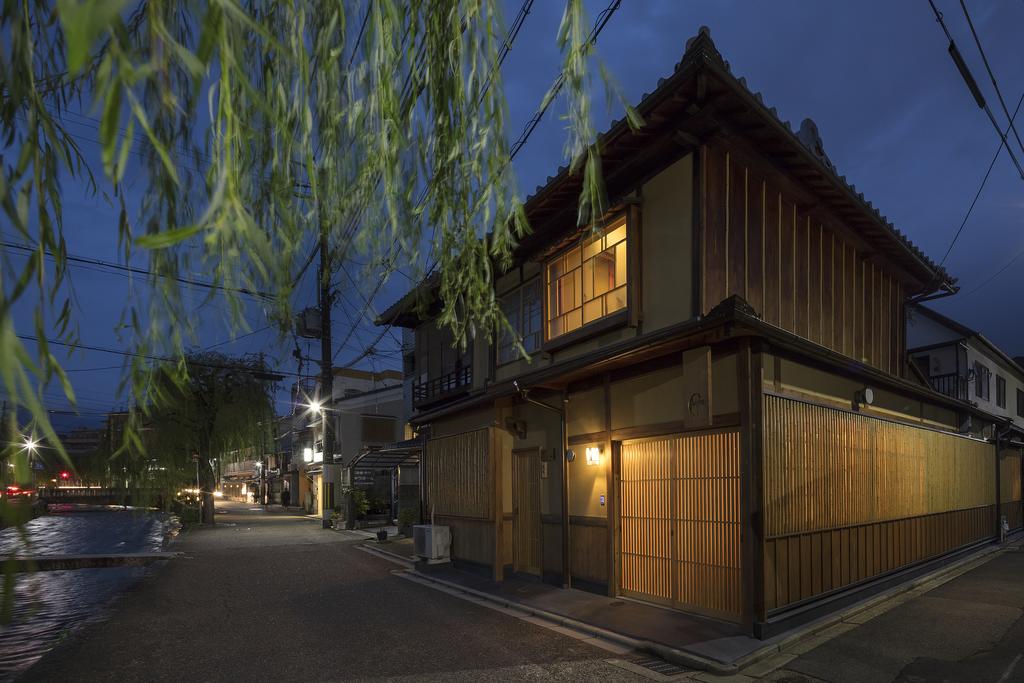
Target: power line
{"x":981,"y":187}
{"x":140,"y":271}
{"x":556,"y":87}
{"x":972,"y":85}
{"x":517,"y":24}
{"x":992,"y":77}
{"x":238,"y":338}
{"x":158,"y":359}
{"x":996,"y":274}
{"x":602,"y":20}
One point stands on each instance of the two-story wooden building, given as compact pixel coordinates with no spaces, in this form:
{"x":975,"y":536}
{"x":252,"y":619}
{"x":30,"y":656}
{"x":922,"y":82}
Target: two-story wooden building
{"x":717,"y":414}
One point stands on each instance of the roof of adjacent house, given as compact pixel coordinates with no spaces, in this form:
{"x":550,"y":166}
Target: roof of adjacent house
{"x":699,"y":97}
{"x":965,"y":332}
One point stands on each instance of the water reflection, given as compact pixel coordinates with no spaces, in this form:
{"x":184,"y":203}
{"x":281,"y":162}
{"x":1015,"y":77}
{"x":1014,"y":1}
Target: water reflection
{"x":48,"y":605}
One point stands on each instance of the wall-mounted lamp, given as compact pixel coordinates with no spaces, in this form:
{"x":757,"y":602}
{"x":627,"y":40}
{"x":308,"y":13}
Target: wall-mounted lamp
{"x":593,"y":455}
{"x":863,"y":397}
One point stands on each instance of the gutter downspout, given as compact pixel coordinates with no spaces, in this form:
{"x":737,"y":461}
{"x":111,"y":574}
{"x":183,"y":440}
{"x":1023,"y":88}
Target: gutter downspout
{"x":564,"y":446}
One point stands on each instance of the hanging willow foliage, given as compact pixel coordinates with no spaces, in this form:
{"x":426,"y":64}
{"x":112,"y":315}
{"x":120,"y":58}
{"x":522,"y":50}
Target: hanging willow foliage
{"x":259,"y":124}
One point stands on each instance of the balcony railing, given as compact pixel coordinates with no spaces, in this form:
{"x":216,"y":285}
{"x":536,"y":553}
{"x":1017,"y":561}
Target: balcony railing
{"x":951,"y":385}
{"x":454,"y":382}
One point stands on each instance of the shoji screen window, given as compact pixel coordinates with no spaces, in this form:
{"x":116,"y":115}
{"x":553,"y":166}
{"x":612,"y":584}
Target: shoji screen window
{"x":587,"y":282}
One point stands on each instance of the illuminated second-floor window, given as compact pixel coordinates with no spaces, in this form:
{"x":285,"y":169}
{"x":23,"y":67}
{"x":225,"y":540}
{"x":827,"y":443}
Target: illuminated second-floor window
{"x":587,"y":281}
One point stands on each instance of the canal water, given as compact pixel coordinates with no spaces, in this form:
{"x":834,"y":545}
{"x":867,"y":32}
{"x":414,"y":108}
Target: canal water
{"x":49,"y":605}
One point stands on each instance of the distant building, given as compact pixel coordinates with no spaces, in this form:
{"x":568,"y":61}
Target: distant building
{"x":963,"y":364}
{"x":367,"y":409}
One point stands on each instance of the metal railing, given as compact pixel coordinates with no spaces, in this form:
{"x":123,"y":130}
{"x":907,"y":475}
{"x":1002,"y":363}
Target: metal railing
{"x":453,"y":382}
{"x":951,"y":385}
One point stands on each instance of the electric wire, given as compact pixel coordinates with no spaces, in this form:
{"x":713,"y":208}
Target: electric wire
{"x":981,"y":187}
{"x":158,"y":359}
{"x":599,"y":25}
{"x":139,"y":271}
{"x":992,"y":77}
{"x":973,"y":87}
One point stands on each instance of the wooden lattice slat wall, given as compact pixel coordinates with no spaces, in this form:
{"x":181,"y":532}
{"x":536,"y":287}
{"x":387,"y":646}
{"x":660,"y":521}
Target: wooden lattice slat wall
{"x":680,"y":527}
{"x":794,"y":266}
{"x":848,"y":497}
{"x":1010,"y":486}
{"x":459,"y":477}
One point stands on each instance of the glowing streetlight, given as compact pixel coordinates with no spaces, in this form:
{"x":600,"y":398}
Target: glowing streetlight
{"x":31,"y":445}
{"x":315,"y":407}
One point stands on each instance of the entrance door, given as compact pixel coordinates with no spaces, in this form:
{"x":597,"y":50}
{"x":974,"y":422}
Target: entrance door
{"x":680,"y":522}
{"x":526,"y":548}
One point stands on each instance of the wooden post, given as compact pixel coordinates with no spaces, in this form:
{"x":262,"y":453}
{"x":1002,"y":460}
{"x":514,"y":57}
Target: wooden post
{"x":751,"y":464}
{"x":497,"y":470}
{"x":999,"y":493}
{"x":610,"y":499}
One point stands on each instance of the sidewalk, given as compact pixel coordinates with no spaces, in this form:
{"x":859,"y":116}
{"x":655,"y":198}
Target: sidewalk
{"x":686,"y":639}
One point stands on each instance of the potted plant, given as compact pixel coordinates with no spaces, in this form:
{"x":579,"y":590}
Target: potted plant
{"x":361,"y":504}
{"x":406,"y":518}
{"x":337,"y":521}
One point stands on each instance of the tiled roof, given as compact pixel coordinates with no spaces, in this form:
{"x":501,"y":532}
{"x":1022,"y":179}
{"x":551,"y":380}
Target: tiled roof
{"x":701,"y":53}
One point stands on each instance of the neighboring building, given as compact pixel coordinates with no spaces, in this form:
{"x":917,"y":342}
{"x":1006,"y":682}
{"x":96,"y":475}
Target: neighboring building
{"x":367,"y":409}
{"x":240,"y":480}
{"x":960,"y":362}
{"x":726,"y":363}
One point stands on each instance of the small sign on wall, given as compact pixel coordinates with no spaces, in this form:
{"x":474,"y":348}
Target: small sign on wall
{"x":697,"y":387}
{"x":543,"y":469}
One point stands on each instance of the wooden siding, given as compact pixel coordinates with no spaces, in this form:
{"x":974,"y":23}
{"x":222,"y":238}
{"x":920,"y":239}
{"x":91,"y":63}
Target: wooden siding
{"x":464,"y":477}
{"x":848,"y":497}
{"x":588,"y":541}
{"x":525,"y":533}
{"x":795,"y":268}
{"x":472,"y":539}
{"x":680,"y":521}
{"x":459,"y":475}
{"x":1010,"y":486}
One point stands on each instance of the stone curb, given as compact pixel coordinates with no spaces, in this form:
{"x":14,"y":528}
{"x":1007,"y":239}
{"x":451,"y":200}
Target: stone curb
{"x":64,"y":562}
{"x":387,"y":554}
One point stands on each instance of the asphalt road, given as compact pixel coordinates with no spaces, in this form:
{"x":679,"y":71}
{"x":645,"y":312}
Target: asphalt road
{"x":274,"y":597}
{"x":970,"y":629}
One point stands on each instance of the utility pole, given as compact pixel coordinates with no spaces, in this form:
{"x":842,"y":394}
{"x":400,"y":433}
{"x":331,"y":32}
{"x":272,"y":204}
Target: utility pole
{"x":326,"y":371}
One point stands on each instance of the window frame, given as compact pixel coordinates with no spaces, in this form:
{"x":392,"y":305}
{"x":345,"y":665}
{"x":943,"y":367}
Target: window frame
{"x":626,"y":219}
{"x":1020,"y":402}
{"x":982,"y":372}
{"x":519,"y":291}
{"x":1000,"y":391}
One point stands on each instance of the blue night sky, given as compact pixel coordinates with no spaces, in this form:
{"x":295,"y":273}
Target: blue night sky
{"x":893,"y":112}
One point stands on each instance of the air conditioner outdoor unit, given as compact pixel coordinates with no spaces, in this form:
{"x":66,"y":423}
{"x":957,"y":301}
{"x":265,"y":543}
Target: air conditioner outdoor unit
{"x":432,"y":542}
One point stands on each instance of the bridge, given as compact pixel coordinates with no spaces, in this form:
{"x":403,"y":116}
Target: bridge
{"x":93,"y":495}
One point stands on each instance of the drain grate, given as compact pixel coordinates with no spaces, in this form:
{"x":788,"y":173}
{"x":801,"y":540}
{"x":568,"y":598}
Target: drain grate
{"x":661,"y":666}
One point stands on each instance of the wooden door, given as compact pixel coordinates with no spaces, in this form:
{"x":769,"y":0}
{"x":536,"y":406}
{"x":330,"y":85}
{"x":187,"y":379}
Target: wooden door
{"x":679,"y":522}
{"x":645,"y":519}
{"x":526,"y":539}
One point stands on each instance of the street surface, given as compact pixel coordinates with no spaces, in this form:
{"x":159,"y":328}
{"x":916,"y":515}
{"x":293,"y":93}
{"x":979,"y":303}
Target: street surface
{"x":970,"y":629}
{"x":274,"y":597}
{"x":271,"y":596}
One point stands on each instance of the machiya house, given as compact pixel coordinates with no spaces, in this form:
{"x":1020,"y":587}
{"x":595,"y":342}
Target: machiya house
{"x":717,"y":415}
